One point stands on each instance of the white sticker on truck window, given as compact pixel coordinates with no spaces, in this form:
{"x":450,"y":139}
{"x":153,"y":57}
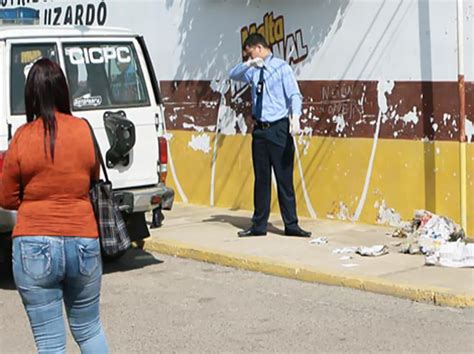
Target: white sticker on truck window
{"x":27,"y":68}
{"x":98,"y":55}
{"x":87,"y":101}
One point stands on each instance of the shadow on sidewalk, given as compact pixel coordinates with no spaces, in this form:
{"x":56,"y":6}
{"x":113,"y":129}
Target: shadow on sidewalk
{"x":6,"y":280}
{"x":6,"y":275}
{"x":241,"y":223}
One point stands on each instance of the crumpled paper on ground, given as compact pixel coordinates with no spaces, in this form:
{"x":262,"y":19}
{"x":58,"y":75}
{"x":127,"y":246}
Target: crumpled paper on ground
{"x":319,"y":241}
{"x":373,"y":251}
{"x":453,"y":255}
{"x":345,"y":250}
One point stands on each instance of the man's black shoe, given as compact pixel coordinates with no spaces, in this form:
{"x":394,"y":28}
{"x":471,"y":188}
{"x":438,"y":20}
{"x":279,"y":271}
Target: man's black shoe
{"x":298,"y":232}
{"x":250,"y":232}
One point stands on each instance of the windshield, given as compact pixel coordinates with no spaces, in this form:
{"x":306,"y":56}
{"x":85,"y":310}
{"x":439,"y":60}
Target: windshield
{"x":104,"y":75}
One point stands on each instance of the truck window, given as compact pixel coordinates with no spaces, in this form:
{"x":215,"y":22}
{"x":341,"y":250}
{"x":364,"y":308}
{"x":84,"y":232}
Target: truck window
{"x":23,"y":56}
{"x":104,"y":75}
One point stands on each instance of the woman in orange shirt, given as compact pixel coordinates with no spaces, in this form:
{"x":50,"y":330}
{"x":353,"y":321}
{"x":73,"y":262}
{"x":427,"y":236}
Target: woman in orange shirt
{"x":47,"y":175}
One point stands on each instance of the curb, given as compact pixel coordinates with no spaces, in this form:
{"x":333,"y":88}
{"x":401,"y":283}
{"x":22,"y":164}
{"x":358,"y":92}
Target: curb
{"x":437,"y":296}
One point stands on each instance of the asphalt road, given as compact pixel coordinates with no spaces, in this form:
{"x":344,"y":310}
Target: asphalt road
{"x":154,"y":303}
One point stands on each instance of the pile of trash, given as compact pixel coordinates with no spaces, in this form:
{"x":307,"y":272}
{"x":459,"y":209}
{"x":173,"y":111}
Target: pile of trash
{"x":439,"y":238}
{"x":427,"y":232}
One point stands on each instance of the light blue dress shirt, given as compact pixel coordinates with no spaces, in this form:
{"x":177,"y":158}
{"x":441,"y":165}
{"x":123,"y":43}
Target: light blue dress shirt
{"x":281,"y":94}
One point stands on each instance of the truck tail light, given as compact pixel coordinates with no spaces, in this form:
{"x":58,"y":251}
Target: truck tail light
{"x":163,"y":176}
{"x":163,"y":146}
{"x":155,"y":200}
{"x":163,"y":158}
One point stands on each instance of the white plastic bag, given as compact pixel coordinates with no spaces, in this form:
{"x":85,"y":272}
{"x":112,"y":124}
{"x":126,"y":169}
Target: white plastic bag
{"x":453,"y":255}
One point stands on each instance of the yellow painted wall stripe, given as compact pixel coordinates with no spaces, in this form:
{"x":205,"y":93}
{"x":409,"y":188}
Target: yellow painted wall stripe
{"x":407,"y":175}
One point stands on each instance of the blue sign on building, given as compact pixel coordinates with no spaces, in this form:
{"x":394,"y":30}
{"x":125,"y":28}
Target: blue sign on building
{"x":19,"y":16}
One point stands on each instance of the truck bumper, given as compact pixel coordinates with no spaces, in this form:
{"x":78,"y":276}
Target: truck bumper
{"x":145,"y":199}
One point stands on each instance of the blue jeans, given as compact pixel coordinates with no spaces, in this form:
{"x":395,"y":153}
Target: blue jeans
{"x":51,"y":270}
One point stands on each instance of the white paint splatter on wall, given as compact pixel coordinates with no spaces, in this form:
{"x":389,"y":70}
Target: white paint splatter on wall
{"x":469,"y":130}
{"x":343,"y":213}
{"x":446,"y":117}
{"x":411,"y":117}
{"x":193,"y":126}
{"x":168,"y":136}
{"x":339,"y":212}
{"x":387,"y":216}
{"x":340,"y":123}
{"x":384,"y":87}
{"x":201,"y":142}
{"x":174,"y":116}
{"x":227,"y":119}
{"x":305,"y":139}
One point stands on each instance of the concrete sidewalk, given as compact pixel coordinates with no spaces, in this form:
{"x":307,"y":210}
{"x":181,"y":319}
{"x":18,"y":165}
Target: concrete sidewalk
{"x":210,"y":234}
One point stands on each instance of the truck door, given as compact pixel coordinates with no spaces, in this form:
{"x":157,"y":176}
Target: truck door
{"x":109,"y":87}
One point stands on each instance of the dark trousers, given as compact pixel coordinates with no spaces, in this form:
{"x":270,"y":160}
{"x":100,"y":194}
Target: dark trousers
{"x":272,"y":147}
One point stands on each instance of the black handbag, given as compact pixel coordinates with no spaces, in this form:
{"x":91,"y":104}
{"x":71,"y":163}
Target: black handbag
{"x":114,"y":237}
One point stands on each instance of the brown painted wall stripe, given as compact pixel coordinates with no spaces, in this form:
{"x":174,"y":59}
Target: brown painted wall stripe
{"x":432,"y":105}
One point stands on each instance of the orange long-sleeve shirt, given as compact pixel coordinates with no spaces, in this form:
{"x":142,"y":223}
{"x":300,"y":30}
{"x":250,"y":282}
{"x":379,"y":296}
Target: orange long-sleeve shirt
{"x":52,"y":198}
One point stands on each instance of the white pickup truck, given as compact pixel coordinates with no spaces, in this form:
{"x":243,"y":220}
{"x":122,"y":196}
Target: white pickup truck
{"x":113,"y":85}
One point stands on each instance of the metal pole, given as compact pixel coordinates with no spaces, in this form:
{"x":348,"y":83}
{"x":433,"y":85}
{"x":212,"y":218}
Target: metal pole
{"x":462,"y":115}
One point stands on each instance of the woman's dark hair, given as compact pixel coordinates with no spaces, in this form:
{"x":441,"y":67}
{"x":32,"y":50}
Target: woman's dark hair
{"x":46,"y":92}
{"x":255,"y":39}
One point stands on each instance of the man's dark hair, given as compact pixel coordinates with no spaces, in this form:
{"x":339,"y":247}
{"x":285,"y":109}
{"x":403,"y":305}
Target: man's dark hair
{"x":255,"y":39}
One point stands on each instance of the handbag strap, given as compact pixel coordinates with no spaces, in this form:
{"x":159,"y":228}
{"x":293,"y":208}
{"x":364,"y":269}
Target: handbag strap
{"x":98,"y":154}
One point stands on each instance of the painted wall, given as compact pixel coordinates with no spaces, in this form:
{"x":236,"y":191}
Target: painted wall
{"x":380,"y":98}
